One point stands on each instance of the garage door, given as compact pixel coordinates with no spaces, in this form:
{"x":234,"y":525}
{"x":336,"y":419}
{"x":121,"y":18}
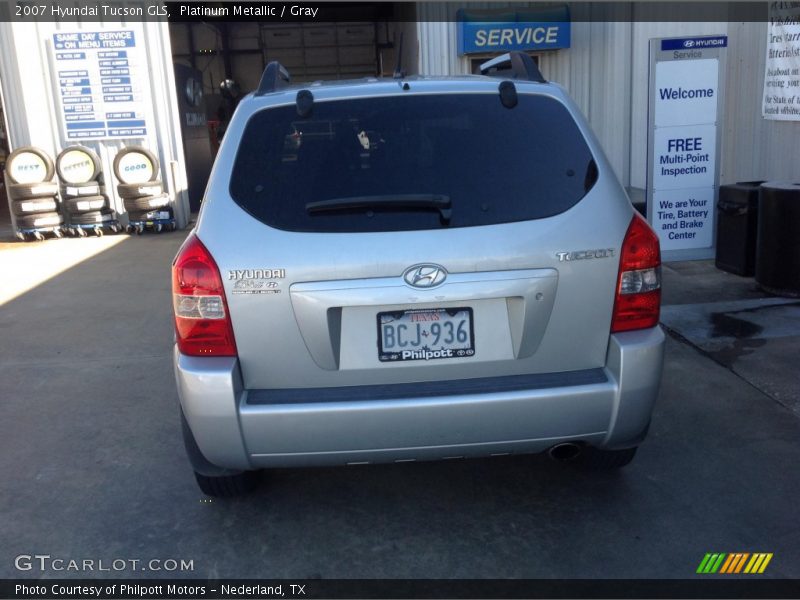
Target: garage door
{"x":322,"y":50}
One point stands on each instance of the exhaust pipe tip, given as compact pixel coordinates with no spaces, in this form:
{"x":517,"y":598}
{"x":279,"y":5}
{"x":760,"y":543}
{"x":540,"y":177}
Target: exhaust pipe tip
{"x":564,"y":452}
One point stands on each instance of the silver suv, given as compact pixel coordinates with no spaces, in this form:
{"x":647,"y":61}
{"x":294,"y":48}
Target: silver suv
{"x":420,"y":268}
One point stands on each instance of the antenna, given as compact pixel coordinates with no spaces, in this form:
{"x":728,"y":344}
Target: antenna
{"x":398,"y":69}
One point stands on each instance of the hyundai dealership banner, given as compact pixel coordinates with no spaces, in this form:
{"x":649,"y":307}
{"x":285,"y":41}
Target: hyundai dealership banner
{"x":683,"y":141}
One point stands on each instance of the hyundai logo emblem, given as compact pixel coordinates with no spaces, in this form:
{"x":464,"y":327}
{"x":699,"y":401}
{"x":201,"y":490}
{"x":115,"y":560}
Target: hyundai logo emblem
{"x":688,"y":43}
{"x":425,"y":276}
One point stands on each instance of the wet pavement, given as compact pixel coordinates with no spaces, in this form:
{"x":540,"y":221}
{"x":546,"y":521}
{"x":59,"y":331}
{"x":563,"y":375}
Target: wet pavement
{"x":756,"y":336}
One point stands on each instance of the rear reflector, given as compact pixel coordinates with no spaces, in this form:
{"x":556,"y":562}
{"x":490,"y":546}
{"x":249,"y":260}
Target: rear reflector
{"x":638,"y":300}
{"x":202,"y":321}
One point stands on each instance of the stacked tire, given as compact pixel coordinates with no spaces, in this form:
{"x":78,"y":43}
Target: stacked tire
{"x":83,"y":194}
{"x":32,"y":194}
{"x":141,"y":190}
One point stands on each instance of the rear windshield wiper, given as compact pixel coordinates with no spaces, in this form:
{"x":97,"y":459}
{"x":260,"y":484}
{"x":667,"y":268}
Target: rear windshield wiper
{"x":438,"y":202}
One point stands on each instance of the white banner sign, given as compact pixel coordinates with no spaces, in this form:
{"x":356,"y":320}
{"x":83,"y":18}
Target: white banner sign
{"x":782,"y":79}
{"x":682,"y":154}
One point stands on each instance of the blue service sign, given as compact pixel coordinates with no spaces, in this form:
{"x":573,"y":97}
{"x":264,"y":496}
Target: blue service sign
{"x":528,"y":30}
{"x":94,"y":40}
{"x":695,"y":43}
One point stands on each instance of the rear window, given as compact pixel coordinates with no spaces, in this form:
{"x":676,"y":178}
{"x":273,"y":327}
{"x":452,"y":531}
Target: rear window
{"x":411,"y":162}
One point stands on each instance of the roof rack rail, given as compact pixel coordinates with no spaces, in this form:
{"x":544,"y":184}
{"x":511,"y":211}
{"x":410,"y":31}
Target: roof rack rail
{"x":274,"y":78}
{"x":521,"y":65}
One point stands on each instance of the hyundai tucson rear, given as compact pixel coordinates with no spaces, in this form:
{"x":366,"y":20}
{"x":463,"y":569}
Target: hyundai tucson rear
{"x":414,"y":269}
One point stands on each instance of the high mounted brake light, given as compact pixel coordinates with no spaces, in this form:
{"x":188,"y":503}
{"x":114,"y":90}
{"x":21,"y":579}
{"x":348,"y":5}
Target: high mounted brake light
{"x":202,"y":321}
{"x":638,"y":297}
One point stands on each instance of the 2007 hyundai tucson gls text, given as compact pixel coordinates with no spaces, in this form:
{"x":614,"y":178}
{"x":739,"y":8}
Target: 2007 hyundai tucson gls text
{"x":413,"y":269}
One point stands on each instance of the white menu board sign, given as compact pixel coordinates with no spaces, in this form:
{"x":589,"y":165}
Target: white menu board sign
{"x":101,"y":83}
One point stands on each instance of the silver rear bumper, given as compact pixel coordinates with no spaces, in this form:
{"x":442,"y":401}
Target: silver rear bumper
{"x":234,"y":433}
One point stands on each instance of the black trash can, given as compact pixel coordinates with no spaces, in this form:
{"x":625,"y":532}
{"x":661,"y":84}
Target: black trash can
{"x":778,"y":247}
{"x":737,"y":227}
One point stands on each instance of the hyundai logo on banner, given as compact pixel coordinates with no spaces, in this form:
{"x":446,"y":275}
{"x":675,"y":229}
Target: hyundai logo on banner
{"x":696,"y":43}
{"x":493,"y":31}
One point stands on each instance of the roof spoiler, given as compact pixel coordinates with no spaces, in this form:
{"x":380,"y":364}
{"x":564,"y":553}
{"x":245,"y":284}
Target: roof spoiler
{"x":521,"y":65}
{"x":274,"y":78}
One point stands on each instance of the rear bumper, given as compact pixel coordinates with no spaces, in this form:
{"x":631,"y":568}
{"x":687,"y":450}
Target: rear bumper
{"x":240,"y":429}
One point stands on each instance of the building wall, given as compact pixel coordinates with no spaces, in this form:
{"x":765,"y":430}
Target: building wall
{"x":310,"y":52}
{"x":31,"y":109}
{"x":606,"y":72}
{"x":753,"y":147}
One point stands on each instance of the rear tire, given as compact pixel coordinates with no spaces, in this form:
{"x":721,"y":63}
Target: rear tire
{"x":215,"y":481}
{"x":595,"y":459}
{"x":227,"y":486}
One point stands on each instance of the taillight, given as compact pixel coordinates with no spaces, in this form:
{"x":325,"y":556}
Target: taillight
{"x":202,"y":321}
{"x":638,"y":301}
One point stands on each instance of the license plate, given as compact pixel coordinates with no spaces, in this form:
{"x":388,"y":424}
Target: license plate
{"x":425,"y":334}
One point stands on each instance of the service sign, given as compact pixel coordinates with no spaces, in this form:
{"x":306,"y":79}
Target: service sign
{"x":504,"y":31}
{"x":683,"y":142}
{"x":101,"y":83}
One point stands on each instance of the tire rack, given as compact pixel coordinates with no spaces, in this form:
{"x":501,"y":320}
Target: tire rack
{"x":32,"y":194}
{"x":142,"y":192}
{"x":84,"y":199}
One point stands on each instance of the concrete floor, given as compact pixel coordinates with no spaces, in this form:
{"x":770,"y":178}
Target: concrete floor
{"x":92,"y":462}
{"x":759,"y":340}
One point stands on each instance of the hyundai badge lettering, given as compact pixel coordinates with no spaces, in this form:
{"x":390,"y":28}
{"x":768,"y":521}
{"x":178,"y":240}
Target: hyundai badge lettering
{"x":256,"y":274}
{"x":256,"y":281}
{"x":584,"y":254}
